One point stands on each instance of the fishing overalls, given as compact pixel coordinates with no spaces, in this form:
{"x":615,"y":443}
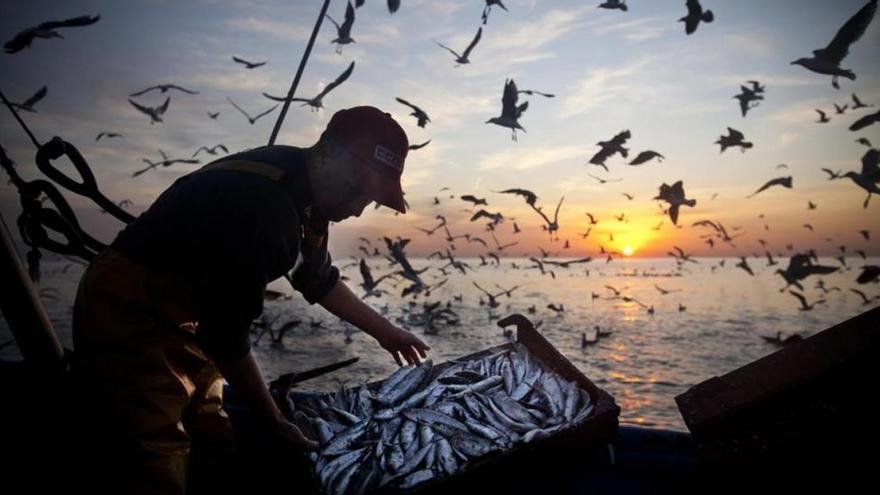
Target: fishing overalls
{"x":178,"y":288}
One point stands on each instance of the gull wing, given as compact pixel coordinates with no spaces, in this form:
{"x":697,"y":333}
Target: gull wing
{"x":339,"y":80}
{"x":854,"y":28}
{"x":36,"y":97}
{"x":474,"y":42}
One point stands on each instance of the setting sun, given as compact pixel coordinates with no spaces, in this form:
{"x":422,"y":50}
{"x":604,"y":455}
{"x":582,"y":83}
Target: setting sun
{"x":627,"y":250}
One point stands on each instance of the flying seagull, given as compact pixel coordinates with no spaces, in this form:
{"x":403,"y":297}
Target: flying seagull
{"x":695,"y":15}
{"x":746,"y":97}
{"x":510,"y":111}
{"x":214,"y":115}
{"x":250,"y":119}
{"x":417,"y":112}
{"x":865,"y":121}
{"x":800,"y":266}
{"x":419,"y":146}
{"x":646,"y":156}
{"x":733,"y":138}
{"x":45,"y":30}
{"x":155,"y":113}
{"x":463,"y":58}
{"x":529,"y":196}
{"x":869,"y":176}
{"x":475,"y":200}
{"x":779,"y":181}
{"x":317,"y":101}
{"x":28,"y":105}
{"x":804,"y":306}
{"x":614,"y":4}
{"x":393,"y":5}
{"x":857,"y":103}
{"x":610,"y":147}
{"x":823,"y":119}
{"x":164,"y":88}
{"x":165,"y":162}
{"x":827,"y":60}
{"x":488,"y":8}
{"x":212,"y":150}
{"x":554,"y":225}
{"x":248,"y":65}
{"x":108,"y":135}
{"x":343,"y":32}
{"x":674,"y":195}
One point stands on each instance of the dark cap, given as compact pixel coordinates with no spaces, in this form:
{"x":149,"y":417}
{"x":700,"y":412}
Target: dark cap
{"x":379,"y":144}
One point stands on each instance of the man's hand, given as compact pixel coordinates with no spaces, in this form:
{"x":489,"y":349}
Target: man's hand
{"x":399,"y":343}
{"x":292,"y":434}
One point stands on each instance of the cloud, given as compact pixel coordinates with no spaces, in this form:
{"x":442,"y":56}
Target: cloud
{"x":604,"y":84}
{"x":523,"y":158}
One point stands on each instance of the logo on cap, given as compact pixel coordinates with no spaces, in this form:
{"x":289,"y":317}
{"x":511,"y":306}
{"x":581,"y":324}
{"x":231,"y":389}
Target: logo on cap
{"x":388,"y":157}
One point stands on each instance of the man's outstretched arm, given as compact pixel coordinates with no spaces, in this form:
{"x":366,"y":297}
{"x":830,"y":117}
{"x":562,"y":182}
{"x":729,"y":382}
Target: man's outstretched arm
{"x":342,"y":302}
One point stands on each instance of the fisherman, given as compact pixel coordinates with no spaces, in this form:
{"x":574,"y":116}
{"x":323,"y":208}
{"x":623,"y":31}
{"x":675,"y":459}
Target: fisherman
{"x":166,"y":310}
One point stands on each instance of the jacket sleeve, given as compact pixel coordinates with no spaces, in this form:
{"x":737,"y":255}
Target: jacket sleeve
{"x":316,"y":275}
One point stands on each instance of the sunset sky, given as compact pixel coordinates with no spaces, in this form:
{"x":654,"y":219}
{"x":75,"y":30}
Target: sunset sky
{"x":609,"y":70}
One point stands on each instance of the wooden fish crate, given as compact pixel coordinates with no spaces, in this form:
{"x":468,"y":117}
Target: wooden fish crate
{"x":523,"y":458}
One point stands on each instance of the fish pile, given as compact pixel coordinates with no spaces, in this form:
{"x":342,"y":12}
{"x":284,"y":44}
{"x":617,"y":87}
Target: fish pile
{"x":417,"y":426}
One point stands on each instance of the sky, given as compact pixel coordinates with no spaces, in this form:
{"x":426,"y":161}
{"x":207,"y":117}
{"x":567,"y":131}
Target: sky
{"x":610,"y":71}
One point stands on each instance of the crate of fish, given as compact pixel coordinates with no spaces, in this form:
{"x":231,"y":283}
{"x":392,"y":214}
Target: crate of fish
{"x":430,"y":428}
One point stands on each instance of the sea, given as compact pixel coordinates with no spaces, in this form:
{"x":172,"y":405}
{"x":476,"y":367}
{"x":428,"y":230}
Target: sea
{"x":710,"y":320}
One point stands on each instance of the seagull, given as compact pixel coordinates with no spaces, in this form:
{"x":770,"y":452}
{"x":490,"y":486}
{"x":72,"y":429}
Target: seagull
{"x":674,"y":195}
{"x":496,"y":218}
{"x":870,"y":273}
{"x":869,"y":177}
{"x":871,"y":118}
{"x":866,"y":234}
{"x":463,"y":58}
{"x":614,"y":4}
{"x":368,"y":283}
{"x":28,"y":105}
{"x":529,"y":196}
{"x":695,"y":15}
{"x":317,"y":102}
{"x":165,"y":162}
{"x":248,"y":65}
{"x":864,"y":141}
{"x":393,"y":5}
{"x":645,"y":156}
{"x":554,"y":225}
{"x":628,"y":196}
{"x":164,"y":88}
{"x":823,"y":119}
{"x":681,"y":256}
{"x":610,"y":147}
{"x":488,"y":8}
{"x":212,"y":150}
{"x":857,"y":103}
{"x":46,"y":30}
{"x":811,"y":205}
{"x":214,"y":115}
{"x":108,"y":135}
{"x":418,"y":147}
{"x":418,"y":113}
{"x":343,"y":32}
{"x":510,"y":111}
{"x":746,"y":97}
{"x":734,"y":138}
{"x":593,"y":221}
{"x":475,"y":200}
{"x":800,"y":266}
{"x":839,"y":110}
{"x":250,"y":119}
{"x":865,"y":300}
{"x":832,"y":174}
{"x":827,"y":60}
{"x":745,"y":265}
{"x":663,"y":291}
{"x":155,"y":113}
{"x":779,"y":181}
{"x":778,"y":340}
{"x":603,"y":181}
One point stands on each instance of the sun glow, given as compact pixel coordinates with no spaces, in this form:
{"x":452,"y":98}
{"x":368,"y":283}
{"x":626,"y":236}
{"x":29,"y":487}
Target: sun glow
{"x":628,"y":251}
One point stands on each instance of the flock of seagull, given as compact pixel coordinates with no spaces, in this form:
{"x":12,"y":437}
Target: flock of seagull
{"x":826,"y":61}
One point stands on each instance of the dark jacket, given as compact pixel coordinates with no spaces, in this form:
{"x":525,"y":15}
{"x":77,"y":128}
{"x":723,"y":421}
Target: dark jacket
{"x":229,"y":233}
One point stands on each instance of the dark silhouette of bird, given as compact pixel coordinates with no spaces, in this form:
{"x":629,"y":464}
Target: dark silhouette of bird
{"x":488,"y":8}
{"x":871,"y":118}
{"x":832,"y":174}
{"x":529,"y":196}
{"x":248,"y":65}
{"x":869,"y":176}
{"x":155,"y":113}
{"x":811,"y":205}
{"x":865,"y":300}
{"x":603,"y":181}
{"x":553,"y":226}
{"x":823,"y":119}
{"x":593,"y":220}
{"x":800,"y":266}
{"x":827,"y":60}
{"x":46,"y":30}
{"x":779,"y":181}
{"x":614,"y":5}
{"x":214,"y":115}
{"x":610,"y":147}
{"x":864,"y":141}
{"x":663,"y":291}
{"x":779,"y":341}
{"x":318,"y":101}
{"x":165,"y":162}
{"x":212,"y":150}
{"x":646,"y":156}
{"x":463,"y":58}
{"x":343,"y":32}
{"x":746,"y":97}
{"x":680,"y":256}
{"x":745,"y":265}
{"x":418,"y":147}
{"x":247,"y":116}
{"x":839,"y":110}
{"x":674,"y":195}
{"x":628,"y":196}
{"x":496,"y":217}
{"x":510,"y":111}
{"x":164,"y":88}
{"x":869,"y":274}
{"x":695,"y":15}
{"x":369,"y":284}
{"x":417,"y":112}
{"x":393,"y":5}
{"x":857,"y":103}
{"x":108,"y":135}
{"x":866,"y":234}
{"x":473,"y":199}
{"x":28,"y":105}
{"x":733,"y":138}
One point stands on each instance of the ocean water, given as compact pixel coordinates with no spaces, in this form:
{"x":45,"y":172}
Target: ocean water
{"x":647,"y":361}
